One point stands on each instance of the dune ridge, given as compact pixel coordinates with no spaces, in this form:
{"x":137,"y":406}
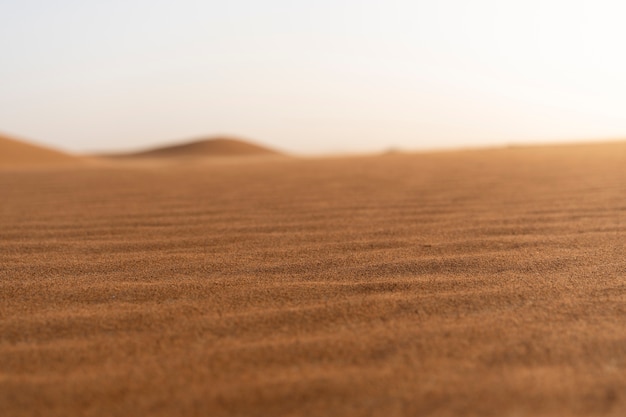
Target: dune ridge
{"x":15,"y":153}
{"x":212,"y":147}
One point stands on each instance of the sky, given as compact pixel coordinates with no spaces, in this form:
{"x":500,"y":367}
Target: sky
{"x":312,"y":77}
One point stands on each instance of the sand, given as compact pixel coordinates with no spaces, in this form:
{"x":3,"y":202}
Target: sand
{"x":475,"y":283}
{"x":212,"y":147}
{"x":16,"y":152}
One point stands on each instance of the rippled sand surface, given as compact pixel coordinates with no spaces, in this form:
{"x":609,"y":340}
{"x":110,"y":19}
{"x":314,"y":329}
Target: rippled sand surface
{"x":475,"y":283}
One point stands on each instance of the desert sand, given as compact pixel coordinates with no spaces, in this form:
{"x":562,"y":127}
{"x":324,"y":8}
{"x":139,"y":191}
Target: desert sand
{"x":204,"y":148}
{"x":16,"y":152}
{"x":473,"y":283}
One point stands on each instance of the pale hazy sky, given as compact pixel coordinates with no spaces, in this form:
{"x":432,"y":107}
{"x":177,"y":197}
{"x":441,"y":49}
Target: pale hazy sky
{"x":312,"y":76}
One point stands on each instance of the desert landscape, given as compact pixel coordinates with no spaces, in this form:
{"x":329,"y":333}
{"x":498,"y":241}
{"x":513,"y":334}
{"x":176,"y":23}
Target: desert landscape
{"x":221,"y":278}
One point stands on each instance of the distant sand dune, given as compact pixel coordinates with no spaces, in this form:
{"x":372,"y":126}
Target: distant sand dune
{"x":214,"y":147}
{"x":17,"y":153}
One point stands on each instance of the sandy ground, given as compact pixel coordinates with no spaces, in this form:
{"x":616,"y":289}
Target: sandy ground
{"x":478,"y":283}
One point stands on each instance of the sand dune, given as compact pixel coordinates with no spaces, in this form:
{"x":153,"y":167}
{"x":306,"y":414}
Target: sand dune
{"x":18,"y":153}
{"x":478,"y":283}
{"x":215,"y":147}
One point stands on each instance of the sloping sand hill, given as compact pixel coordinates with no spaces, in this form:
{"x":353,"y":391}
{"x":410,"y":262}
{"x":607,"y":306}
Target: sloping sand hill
{"x":18,"y":153}
{"x":478,"y":283}
{"x":215,"y":147}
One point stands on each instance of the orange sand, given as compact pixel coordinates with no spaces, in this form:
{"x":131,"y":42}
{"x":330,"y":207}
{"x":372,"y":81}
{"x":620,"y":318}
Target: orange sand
{"x":216,"y":147}
{"x":478,"y":283}
{"x":15,"y":153}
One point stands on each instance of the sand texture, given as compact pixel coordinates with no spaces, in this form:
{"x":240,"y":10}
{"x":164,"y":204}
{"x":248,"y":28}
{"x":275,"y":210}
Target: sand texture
{"x":475,"y":283}
{"x":16,"y":153}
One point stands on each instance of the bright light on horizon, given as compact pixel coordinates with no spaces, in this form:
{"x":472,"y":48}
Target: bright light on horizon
{"x":312,"y":77}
